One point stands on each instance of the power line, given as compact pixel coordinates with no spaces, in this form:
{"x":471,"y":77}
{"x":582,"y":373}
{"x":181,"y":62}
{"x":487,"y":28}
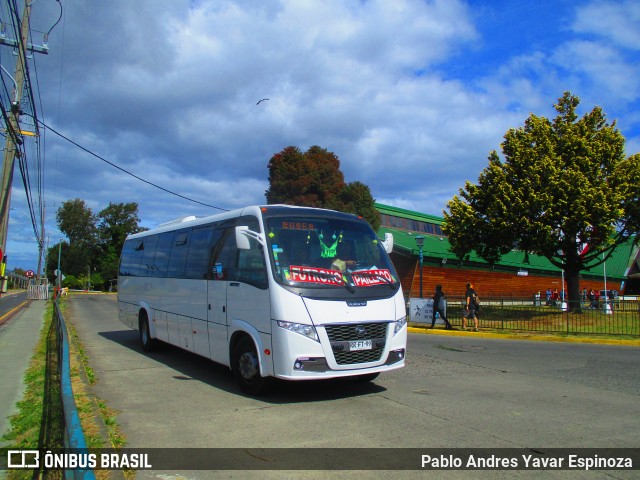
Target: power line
{"x":18,"y":139}
{"x":126,"y":171}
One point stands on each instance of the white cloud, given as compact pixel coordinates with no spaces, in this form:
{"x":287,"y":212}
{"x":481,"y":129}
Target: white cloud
{"x":617,"y":21}
{"x":603,"y":66}
{"x":168,"y":90}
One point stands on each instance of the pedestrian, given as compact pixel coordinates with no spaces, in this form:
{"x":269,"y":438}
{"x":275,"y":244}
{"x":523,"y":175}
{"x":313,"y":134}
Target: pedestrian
{"x":472,"y":304}
{"x":610,"y":297}
{"x":439,"y":306}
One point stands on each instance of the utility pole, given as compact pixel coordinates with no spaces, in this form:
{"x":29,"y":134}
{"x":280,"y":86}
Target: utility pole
{"x":41,"y":248}
{"x":14,"y":139}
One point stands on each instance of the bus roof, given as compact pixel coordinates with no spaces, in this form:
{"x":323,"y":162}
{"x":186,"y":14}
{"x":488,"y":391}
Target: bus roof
{"x":257,"y":210}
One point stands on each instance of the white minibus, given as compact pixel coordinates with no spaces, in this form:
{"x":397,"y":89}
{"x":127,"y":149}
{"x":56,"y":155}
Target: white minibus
{"x":270,"y":291}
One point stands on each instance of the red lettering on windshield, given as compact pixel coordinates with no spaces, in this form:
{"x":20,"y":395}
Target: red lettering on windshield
{"x":315,"y":275}
{"x":367,"y":278}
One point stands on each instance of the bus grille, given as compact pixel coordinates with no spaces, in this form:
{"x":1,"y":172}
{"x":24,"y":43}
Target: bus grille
{"x":341,"y":335}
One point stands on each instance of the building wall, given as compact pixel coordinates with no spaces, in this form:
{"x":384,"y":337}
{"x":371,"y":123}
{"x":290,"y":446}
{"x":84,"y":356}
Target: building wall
{"x":488,"y":284}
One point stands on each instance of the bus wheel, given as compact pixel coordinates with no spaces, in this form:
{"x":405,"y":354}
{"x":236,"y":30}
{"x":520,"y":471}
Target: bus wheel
{"x":246,"y":367}
{"x":145,"y":337}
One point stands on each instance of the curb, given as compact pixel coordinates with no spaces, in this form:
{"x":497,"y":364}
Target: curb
{"x":524,"y":336}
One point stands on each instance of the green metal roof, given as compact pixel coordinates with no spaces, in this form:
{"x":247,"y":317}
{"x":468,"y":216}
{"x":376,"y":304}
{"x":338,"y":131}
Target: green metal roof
{"x":438,"y":247}
{"x":401,"y":212}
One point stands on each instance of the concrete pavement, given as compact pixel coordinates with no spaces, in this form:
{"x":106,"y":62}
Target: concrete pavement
{"x":18,"y":338}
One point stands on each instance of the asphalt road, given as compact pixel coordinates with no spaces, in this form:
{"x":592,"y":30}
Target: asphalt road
{"x":9,"y":301}
{"x":455,"y":392}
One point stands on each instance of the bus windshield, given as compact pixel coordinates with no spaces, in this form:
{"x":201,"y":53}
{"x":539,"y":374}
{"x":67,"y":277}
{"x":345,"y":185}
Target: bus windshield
{"x":325,"y":252}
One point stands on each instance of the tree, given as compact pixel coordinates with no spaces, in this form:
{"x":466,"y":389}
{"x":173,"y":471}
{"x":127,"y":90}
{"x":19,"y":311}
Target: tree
{"x":115,"y":222}
{"x":311,"y":179}
{"x":77,"y":221}
{"x":327,"y":180}
{"x":314,"y":179}
{"x":289,"y":178}
{"x":356,"y":198}
{"x":564,"y":191}
{"x":95,"y":242}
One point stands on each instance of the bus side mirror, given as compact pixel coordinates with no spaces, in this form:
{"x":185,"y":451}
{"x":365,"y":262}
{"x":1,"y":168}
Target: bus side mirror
{"x":242,"y":241}
{"x":388,"y":242}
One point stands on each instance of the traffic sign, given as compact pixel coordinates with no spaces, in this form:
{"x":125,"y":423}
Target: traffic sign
{"x":29,"y":274}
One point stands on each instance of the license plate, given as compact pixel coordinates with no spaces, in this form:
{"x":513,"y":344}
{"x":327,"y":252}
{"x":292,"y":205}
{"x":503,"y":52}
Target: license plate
{"x":357,"y":345}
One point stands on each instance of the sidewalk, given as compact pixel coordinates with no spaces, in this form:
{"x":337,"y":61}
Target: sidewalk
{"x":539,"y":336}
{"x":18,"y":339}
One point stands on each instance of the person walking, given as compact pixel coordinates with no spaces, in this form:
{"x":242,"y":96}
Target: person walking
{"x":592,"y":299}
{"x":439,"y":306}
{"x":471,"y":307}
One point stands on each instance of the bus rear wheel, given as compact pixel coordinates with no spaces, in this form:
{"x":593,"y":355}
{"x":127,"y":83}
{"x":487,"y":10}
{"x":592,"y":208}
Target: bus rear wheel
{"x":245,"y":365}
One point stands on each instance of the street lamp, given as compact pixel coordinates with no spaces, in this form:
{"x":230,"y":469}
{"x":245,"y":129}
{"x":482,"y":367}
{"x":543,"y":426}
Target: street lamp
{"x":420,"y":244}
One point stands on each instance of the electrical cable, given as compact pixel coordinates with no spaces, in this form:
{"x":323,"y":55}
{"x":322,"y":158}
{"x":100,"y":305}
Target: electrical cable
{"x":39,"y":164}
{"x":46,"y":35}
{"x":27,"y":184}
{"x":28,"y":103}
{"x":10,"y":130}
{"x":126,"y":171}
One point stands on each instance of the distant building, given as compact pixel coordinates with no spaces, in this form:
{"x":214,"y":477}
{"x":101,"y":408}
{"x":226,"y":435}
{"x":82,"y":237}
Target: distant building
{"x":512,"y":277}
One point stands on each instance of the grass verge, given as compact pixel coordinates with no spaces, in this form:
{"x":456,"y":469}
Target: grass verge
{"x":39,"y":415}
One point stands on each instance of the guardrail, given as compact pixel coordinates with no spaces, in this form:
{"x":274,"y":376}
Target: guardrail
{"x":73,"y":436}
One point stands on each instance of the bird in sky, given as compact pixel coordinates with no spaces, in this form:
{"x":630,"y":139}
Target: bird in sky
{"x":262,"y":100}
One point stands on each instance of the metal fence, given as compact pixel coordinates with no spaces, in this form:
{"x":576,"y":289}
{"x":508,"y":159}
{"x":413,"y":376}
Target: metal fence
{"x":38,"y":292}
{"x":618,"y":317}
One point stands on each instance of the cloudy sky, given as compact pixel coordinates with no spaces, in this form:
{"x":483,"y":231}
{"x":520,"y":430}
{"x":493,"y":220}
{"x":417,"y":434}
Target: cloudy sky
{"x":411,"y":95}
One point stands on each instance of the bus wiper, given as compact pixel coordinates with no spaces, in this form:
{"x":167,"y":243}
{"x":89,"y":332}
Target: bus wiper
{"x":346,"y":283}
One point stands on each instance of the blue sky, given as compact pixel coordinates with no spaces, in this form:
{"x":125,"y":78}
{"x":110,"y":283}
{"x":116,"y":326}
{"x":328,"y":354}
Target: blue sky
{"x":411,"y":95}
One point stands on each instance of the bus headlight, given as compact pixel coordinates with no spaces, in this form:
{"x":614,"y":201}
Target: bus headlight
{"x":399,"y":324}
{"x":308,"y":331}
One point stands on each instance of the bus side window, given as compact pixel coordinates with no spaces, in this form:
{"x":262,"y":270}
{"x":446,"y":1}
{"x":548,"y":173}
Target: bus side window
{"x":163,"y":252}
{"x":147,"y":263}
{"x":199,"y":252}
{"x":178,"y":258}
{"x":225,"y":255}
{"x":251,"y":265}
{"x":131,"y":257}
